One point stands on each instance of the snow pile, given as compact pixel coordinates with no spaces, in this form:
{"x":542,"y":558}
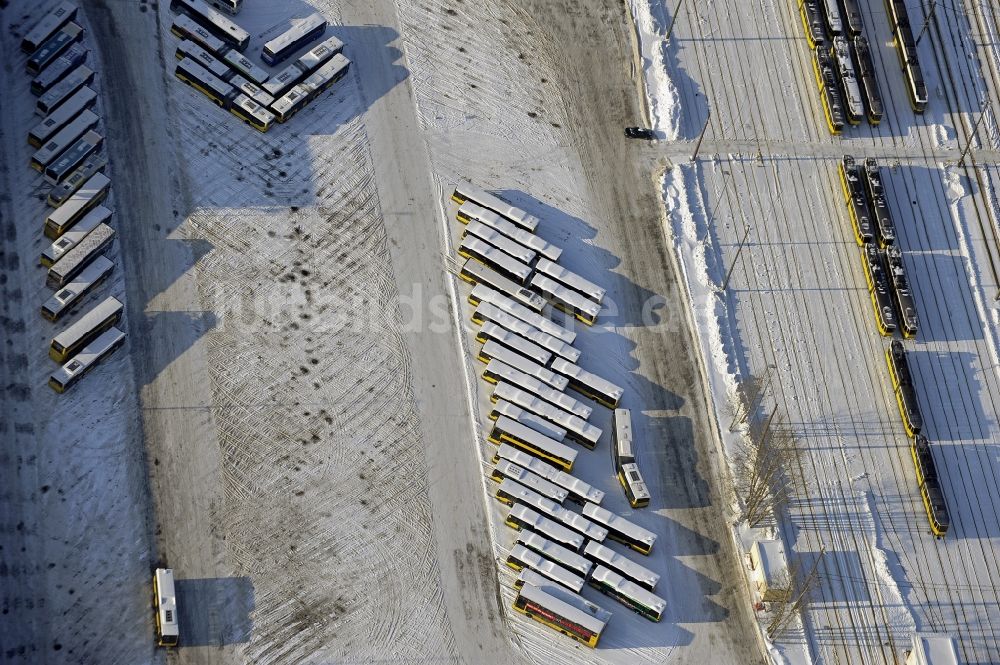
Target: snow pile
{"x":652,"y":24}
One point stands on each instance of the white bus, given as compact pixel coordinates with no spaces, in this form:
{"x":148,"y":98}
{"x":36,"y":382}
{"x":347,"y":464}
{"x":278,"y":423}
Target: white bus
{"x":252,"y":113}
{"x":193,"y":74}
{"x":566,"y":299}
{"x":520,"y":557}
{"x":472,"y":247}
{"x":629,"y":594}
{"x":620,"y":529}
{"x":63,"y":139}
{"x":64,"y":299}
{"x":506,"y":430}
{"x":72,"y":237}
{"x":491,"y":332}
{"x":579,"y":491}
{"x":87,"y":359}
{"x":74,"y":56}
{"x":476,"y":272}
{"x":621,"y":564}
{"x":53,"y":47}
{"x":187,"y":28}
{"x":62,"y":91}
{"x":505,"y":469}
{"x":492,"y":350}
{"x":79,"y":204}
{"x":83,"y":98}
{"x":192,"y":50}
{"x":571,"y":279}
{"x":488,"y":312}
{"x":560,"y":609}
{"x":498,"y":240}
{"x":326,"y":75}
{"x":103,"y":316}
{"x":589,"y":384}
{"x":49,"y":24}
{"x":308,"y":63}
{"x":167,"y":628}
{"x":242,"y":64}
{"x":287,"y":43}
{"x":482,"y":293}
{"x":73,"y":157}
{"x":521,"y":518}
{"x":216,"y":23}
{"x":623,"y":460}
{"x":636,"y":490}
{"x":569,"y":560}
{"x":290,"y":103}
{"x":469,"y":212}
{"x":60,"y":193}
{"x":497,"y":371}
{"x":76,"y":259}
{"x":465,"y":191}
{"x":540,"y":425}
{"x":577,"y":429}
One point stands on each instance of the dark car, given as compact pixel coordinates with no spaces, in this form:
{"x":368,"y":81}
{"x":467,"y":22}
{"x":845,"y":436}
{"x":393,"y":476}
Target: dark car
{"x":639,"y":133}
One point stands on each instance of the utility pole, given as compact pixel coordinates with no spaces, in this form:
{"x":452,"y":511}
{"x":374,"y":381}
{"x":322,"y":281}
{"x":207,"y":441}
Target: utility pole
{"x":927,"y":21}
{"x":972,"y":138}
{"x":701,"y":137}
{"x":673,"y":19}
{"x":729,"y":274}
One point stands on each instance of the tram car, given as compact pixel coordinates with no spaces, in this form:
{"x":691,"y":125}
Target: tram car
{"x":826,"y":79}
{"x":906,"y":49}
{"x":902,"y":386}
{"x":854,"y":108}
{"x":851,"y":16}
{"x":832,"y":13}
{"x":867,"y":79}
{"x":857,"y":201}
{"x":885,"y":229}
{"x":878,"y":289}
{"x":901,"y":293}
{"x":930,"y":485}
{"x":812,"y":21}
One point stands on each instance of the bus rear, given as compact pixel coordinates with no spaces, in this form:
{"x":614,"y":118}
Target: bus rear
{"x":63,"y":300}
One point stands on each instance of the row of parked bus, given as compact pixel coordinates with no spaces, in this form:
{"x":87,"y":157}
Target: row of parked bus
{"x":537,"y":424}
{"x":70,"y":158}
{"x":882,"y":259}
{"x":210,"y":59}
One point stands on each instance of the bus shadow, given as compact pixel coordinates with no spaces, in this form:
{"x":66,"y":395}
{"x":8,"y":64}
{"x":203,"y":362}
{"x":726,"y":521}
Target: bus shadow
{"x":948,"y":391}
{"x":669,"y":443}
{"x":214,"y":611}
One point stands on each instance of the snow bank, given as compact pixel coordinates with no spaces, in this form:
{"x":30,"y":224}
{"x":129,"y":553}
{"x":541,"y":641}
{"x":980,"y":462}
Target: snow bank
{"x":651,"y":24}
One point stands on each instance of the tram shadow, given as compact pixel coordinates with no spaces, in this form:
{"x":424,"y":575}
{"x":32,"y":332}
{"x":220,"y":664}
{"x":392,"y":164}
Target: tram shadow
{"x":214,"y":611}
{"x":949,"y":390}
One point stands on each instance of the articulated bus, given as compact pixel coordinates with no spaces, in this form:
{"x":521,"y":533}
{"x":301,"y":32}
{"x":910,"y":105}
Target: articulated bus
{"x":521,"y":518}
{"x":193,"y":51}
{"x":187,"y":28}
{"x":571,"y":279}
{"x":325,"y":76}
{"x":167,"y":629}
{"x":215,"y":22}
{"x":103,"y":316}
{"x":301,"y":33}
{"x":73,"y":157}
{"x":506,"y":430}
{"x":304,"y":66}
{"x":902,"y":386}
{"x":485,"y":312}
{"x":569,"y":613}
{"x":511,"y":492}
{"x":555,"y":552}
{"x":199,"y":78}
{"x":81,"y":100}
{"x":59,"y":16}
{"x":472,"y":247}
{"x":64,"y":299}
{"x":64,"y":64}
{"x":62,"y":91}
{"x":854,"y":108}
{"x":76,"y":259}
{"x":826,"y":79}
{"x":607,"y":557}
{"x":884,"y":226}
{"x":588,"y":384}
{"x":496,"y":239}
{"x":878,"y":289}
{"x":63,"y":139}
{"x":497,"y":371}
{"x":812,"y":21}
{"x":540,"y":425}
{"x":623,"y":460}
{"x":60,"y":193}
{"x":54,"y":47}
{"x":491,"y":332}
{"x":577,"y":429}
{"x":72,"y":237}
{"x":505,"y":469}
{"x":482,"y":293}
{"x":580,"y":492}
{"x":79,"y":204}
{"x":856,"y":199}
{"x":252,"y":113}
{"x":930,"y":486}
{"x":620,"y":529}
{"x":902,"y":295}
{"x":242,"y":64}
{"x":868,"y":79}
{"x":492,"y":350}
{"x":469,"y":212}
{"x":87,"y":359}
{"x":565,"y":299}
{"x":629,"y":594}
{"x":520,"y":557}
{"x":906,"y":48}
{"x":465,"y":191}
